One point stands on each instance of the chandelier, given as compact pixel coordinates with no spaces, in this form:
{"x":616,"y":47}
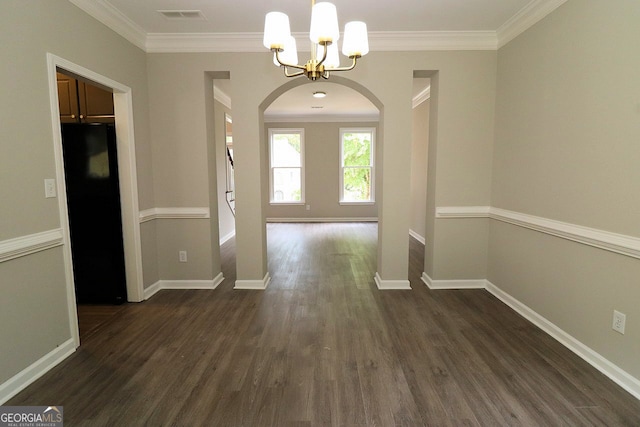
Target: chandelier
{"x":324,"y":35}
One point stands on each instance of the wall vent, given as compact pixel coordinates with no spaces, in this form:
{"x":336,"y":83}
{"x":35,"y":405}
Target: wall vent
{"x":182,"y":14}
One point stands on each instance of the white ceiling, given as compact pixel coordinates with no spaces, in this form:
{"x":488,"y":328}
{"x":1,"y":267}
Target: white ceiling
{"x":241,"y":16}
{"x":236,"y":26}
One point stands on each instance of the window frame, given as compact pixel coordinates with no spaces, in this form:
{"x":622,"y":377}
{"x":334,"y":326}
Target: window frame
{"x":372,"y":165}
{"x":280,"y":131}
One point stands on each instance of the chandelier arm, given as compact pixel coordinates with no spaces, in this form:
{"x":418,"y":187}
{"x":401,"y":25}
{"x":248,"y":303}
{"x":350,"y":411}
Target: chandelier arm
{"x":349,"y":68}
{"x":284,"y":64}
{"x":297,"y":73}
{"x":324,"y":55}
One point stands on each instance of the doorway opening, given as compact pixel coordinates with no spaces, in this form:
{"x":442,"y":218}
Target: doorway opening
{"x":320,"y":164}
{"x":97,"y":163}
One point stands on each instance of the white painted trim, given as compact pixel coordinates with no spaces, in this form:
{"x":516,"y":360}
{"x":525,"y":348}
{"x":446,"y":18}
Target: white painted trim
{"x":114,"y":19}
{"x":525,"y":19}
{"x":104,"y":12}
{"x":615,"y":373}
{"x":173,"y":213}
{"x":421,"y":97}
{"x":182,"y":284}
{"x":328,"y":219}
{"x":613,"y":242}
{"x":463,"y":212}
{"x":221,"y":97}
{"x":254,"y":284}
{"x":152,"y":290}
{"x":453,"y":284}
{"x":27,"y":376}
{"x":612,"y":371}
{"x":31,"y":244}
{"x":416,"y":236}
{"x":384,"y":285}
{"x":127,"y":177}
{"x":227,"y":237}
{"x":378,"y":41}
{"x":321,"y":118}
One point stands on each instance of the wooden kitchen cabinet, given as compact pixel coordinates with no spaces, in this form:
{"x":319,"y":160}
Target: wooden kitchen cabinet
{"x":82,"y":102}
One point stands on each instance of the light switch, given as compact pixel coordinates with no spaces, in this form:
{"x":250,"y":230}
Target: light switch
{"x":49,"y":188}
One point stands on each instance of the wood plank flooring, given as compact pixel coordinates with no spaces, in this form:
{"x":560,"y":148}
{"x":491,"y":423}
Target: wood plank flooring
{"x":322,"y":346}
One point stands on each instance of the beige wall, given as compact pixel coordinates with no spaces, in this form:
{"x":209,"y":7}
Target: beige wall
{"x":567,"y":149}
{"x":419,"y":158}
{"x":467,"y":88}
{"x":322,"y":174}
{"x":34,"y":317}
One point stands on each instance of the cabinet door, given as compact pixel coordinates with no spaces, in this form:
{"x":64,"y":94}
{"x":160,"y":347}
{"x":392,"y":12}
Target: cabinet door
{"x":96,"y":105}
{"x":68,"y":99}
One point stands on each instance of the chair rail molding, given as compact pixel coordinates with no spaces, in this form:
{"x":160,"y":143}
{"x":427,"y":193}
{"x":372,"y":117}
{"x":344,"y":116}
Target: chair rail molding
{"x":613,"y":242}
{"x":30,"y":244}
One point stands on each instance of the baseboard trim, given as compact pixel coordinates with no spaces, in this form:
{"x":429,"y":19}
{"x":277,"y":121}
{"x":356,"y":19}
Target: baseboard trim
{"x":416,"y":236}
{"x":257,"y":285}
{"x":613,"y":372}
{"x":384,"y":285}
{"x":345,"y":219}
{"x":607,"y":368}
{"x":27,"y":376}
{"x":227,"y":237}
{"x":182,"y":284}
{"x":453,"y":284}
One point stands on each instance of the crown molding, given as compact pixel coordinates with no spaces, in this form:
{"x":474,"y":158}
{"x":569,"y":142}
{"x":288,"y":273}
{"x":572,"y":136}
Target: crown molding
{"x":525,"y":19}
{"x":380,"y":41}
{"x":114,"y":19}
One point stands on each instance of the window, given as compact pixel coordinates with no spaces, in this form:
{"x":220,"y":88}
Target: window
{"x":286,"y":149}
{"x":357,"y":163}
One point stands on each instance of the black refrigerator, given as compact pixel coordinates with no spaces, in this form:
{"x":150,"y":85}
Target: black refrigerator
{"x":95,"y":222}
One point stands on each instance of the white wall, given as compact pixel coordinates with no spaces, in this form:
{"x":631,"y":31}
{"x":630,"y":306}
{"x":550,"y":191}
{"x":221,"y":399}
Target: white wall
{"x":567,"y":132}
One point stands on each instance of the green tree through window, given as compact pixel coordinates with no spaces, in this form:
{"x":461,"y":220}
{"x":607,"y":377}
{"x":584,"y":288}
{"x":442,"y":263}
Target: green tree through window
{"x":357,"y":165}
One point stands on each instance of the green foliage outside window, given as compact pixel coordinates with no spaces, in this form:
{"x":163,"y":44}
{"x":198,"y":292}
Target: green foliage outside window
{"x":356,"y":160}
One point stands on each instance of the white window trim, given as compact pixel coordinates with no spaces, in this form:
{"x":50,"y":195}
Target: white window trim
{"x":302,"y":166}
{"x":372,"y":201}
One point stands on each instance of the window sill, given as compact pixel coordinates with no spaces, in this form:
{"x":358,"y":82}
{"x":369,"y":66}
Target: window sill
{"x":367,"y":203}
{"x":286,"y":203}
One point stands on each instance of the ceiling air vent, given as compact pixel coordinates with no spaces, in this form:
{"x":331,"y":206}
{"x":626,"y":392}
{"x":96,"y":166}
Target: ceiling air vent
{"x":182,"y":14}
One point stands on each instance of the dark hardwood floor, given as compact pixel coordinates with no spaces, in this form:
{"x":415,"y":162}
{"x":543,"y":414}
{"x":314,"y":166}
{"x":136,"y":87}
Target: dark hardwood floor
{"x":322,"y":346}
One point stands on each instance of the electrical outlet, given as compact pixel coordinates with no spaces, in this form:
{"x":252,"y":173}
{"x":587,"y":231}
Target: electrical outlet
{"x":183,"y":256}
{"x":49,"y":188}
{"x":619,"y":320}
{"x":308,"y":207}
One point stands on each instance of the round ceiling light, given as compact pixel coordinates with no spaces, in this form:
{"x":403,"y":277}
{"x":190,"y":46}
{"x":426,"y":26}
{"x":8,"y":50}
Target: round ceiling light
{"x":319,"y":94}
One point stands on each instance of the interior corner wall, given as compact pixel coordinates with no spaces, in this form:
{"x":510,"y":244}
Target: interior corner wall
{"x":419,"y":161}
{"x":566,"y":149}
{"x":178,"y":113}
{"x":34,"y":314}
{"x":322,"y":174}
{"x":461,"y":132}
{"x":226,"y":220}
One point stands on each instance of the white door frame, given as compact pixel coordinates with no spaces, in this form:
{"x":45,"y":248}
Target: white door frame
{"x":127,"y":177}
